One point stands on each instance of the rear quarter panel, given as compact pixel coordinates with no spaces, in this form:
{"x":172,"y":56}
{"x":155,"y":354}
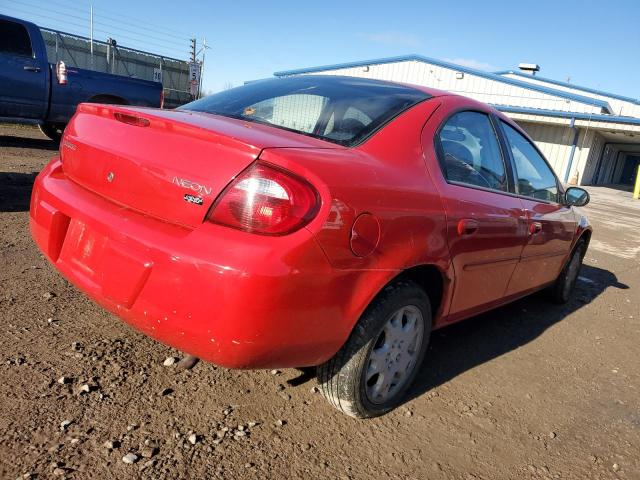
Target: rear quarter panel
{"x":387,"y":178}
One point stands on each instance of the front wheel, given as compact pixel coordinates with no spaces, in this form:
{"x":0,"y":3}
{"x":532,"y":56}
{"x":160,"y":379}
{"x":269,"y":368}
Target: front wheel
{"x":52,"y":130}
{"x":373,"y":370}
{"x":566,"y":281}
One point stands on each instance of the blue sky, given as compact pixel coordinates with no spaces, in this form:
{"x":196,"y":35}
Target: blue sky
{"x":595,"y":43}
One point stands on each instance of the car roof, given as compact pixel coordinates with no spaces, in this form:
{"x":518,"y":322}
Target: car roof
{"x":348,"y":80}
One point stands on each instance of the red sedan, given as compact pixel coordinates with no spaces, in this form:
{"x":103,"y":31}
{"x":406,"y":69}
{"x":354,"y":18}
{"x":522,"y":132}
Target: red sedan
{"x":308,"y":221}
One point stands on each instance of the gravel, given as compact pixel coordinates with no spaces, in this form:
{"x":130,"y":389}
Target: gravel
{"x":130,"y":458}
{"x":493,"y":359}
{"x":148,"y":452}
{"x":169,"y":361}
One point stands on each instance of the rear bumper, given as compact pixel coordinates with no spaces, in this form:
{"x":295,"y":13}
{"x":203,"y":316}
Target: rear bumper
{"x":231,"y":298}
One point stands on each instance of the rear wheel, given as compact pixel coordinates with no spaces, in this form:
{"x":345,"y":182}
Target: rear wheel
{"x":373,"y":370}
{"x":52,"y":130}
{"x":566,"y":281}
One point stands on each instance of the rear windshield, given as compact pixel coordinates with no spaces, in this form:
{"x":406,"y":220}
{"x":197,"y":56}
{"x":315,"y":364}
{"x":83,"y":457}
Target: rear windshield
{"x":342,"y":110}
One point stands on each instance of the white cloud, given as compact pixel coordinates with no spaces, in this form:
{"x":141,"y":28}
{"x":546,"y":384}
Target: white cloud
{"x":391,"y":38}
{"x":471,"y":63}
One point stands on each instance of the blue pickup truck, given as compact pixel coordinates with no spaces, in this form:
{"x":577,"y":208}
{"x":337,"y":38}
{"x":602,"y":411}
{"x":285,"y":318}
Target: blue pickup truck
{"x":34,"y":91}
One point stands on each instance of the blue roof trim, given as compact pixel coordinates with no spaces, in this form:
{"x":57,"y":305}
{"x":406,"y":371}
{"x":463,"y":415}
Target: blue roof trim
{"x":457,"y":68}
{"x":246,"y":82}
{"x":571,"y":85}
{"x":577,"y":116}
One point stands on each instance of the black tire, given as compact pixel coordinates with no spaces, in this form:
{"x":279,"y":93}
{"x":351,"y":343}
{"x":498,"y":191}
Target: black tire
{"x":52,"y":130}
{"x":342,"y":379}
{"x":563,"y":287}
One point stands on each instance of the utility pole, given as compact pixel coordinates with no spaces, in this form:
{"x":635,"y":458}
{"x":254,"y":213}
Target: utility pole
{"x":193,"y":50}
{"x":91,"y":36}
{"x":204,"y":51}
{"x":109,"y":55}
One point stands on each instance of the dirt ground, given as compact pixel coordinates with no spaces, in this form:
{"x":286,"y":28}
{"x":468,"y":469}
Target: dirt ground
{"x":528,"y":391}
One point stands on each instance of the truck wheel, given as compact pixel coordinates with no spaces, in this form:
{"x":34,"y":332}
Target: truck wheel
{"x":52,"y":130}
{"x":373,"y":370}
{"x":563,"y":286}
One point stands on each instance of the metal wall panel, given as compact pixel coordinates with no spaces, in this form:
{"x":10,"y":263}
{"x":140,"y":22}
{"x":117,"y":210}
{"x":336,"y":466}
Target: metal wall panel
{"x":589,"y":164}
{"x":473,"y":86}
{"x":554,"y":142}
{"x":619,"y":107}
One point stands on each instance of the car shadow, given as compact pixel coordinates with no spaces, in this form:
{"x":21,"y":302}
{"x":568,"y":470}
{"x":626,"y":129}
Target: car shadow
{"x":25,"y":142}
{"x":463,"y":346}
{"x":15,"y":191}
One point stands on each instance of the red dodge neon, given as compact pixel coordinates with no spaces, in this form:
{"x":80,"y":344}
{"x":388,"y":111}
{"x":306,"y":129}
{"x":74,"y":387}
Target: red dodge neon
{"x":308,"y":221}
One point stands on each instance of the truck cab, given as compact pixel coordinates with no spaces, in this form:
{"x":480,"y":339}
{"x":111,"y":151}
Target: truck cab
{"x":23,"y":76}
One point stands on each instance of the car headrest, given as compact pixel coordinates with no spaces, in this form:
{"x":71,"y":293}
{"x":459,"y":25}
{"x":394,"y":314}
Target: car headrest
{"x":351,"y":126}
{"x":458,"y":150}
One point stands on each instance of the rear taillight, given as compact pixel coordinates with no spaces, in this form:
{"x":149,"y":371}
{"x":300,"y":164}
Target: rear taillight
{"x":267,"y":200}
{"x":61,"y":73}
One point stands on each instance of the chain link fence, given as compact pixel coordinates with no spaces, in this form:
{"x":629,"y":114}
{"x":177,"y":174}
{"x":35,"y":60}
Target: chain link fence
{"x":108,"y":57}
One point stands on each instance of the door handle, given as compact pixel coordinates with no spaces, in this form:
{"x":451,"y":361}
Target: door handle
{"x":467,"y":226}
{"x":535,"y":227}
{"x":31,"y":68}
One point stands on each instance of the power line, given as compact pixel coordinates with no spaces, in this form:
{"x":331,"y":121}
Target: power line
{"x":27,"y":4}
{"x":118,"y":16}
{"x":166,"y":46}
{"x":97,"y":21}
{"x":48,"y":17}
{"x":137,"y":25}
{"x":144,"y":36}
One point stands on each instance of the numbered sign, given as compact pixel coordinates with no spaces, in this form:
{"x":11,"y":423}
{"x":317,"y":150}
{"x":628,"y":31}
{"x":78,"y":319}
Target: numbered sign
{"x":194,"y":77}
{"x":157,"y":75}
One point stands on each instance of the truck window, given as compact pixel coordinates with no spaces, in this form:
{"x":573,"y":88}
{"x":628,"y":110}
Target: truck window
{"x":14,"y":39}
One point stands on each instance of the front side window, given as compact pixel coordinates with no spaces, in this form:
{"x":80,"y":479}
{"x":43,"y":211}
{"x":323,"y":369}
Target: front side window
{"x":341,"y":110}
{"x":471,"y":152}
{"x":14,"y":39}
{"x":534,"y":177}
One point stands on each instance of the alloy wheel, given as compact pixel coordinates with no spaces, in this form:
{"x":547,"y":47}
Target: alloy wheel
{"x":394,"y":354}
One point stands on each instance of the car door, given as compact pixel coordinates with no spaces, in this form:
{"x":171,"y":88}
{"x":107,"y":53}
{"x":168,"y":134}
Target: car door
{"x":22,"y":81}
{"x":551,"y":225}
{"x":486,"y":228}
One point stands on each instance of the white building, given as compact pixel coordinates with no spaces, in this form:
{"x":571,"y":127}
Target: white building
{"x":588,"y":136}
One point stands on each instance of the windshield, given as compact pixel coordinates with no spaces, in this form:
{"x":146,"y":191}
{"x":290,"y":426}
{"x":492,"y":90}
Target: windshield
{"x":342,"y":110}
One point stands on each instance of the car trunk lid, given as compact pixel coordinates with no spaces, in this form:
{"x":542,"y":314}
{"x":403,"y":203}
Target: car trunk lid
{"x":169,"y":164}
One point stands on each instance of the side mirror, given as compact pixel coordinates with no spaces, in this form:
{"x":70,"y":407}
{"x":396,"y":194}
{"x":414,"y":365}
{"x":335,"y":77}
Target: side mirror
{"x":576,"y":197}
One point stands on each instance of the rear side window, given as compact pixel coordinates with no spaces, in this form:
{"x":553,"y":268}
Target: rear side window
{"x":471,"y":152}
{"x":534,"y":177}
{"x":341,"y":110}
{"x":14,"y":39}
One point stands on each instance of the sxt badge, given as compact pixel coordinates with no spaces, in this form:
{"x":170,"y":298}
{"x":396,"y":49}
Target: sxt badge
{"x":193,"y":199}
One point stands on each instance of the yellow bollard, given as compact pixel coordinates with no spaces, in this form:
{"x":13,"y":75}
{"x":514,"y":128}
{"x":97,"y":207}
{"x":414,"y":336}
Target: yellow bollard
{"x":636,"y":191}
